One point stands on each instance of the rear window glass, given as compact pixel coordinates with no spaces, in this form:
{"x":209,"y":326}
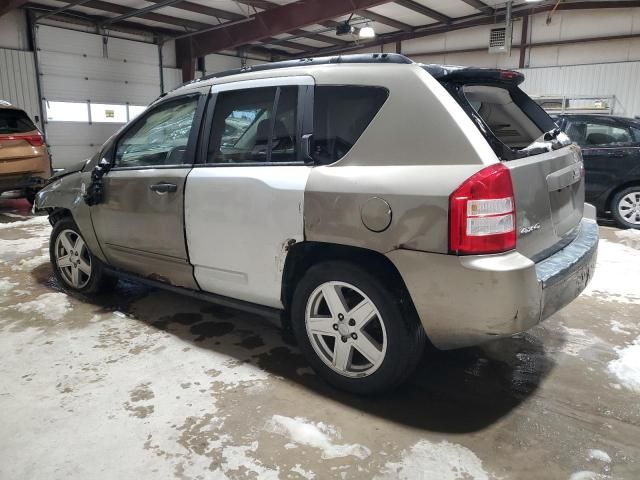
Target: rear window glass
{"x":340,"y":115}
{"x":14,"y":121}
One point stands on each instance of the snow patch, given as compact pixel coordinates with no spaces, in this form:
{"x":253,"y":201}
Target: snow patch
{"x":52,"y":306}
{"x":6,"y":285}
{"x":586,"y":475}
{"x":626,"y":368}
{"x":613,"y":281}
{"x":444,"y":461}
{"x":317,"y":435}
{"x":31,"y":263}
{"x":630,"y":237}
{"x":236,"y":457}
{"x":601,"y":455}
{"x":578,"y":340}
{"x":29,"y":222}
{"x":308,"y":474}
{"x":22,"y":245}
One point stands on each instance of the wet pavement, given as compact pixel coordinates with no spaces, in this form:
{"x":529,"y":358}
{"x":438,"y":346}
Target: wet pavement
{"x":140,"y":383}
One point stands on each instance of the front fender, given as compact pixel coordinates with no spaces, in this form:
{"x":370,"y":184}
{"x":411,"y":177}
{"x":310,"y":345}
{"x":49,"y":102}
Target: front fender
{"x":66,"y":194}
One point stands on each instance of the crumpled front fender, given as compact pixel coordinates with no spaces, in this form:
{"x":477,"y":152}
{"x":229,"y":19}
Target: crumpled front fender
{"x":65,"y":194}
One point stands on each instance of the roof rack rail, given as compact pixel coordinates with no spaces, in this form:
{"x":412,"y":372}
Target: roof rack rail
{"x":355,"y":58}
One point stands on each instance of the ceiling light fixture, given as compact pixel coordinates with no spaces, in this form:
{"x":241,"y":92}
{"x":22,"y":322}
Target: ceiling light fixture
{"x":345,"y":28}
{"x":366,"y":32}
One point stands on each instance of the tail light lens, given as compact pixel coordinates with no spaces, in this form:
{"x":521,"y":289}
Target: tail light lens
{"x":482,"y":213}
{"x":35,"y":139}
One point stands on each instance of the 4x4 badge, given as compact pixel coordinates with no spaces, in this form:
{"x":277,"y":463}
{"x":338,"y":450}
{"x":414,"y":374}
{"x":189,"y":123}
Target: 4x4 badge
{"x":529,"y":229}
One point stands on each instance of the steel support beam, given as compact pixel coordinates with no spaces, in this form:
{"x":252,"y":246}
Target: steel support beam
{"x":390,"y":22}
{"x":69,"y":6}
{"x":481,"y":19}
{"x":481,"y":6}
{"x":140,"y":12}
{"x":281,"y":19}
{"x":523,"y":41}
{"x":422,"y":10}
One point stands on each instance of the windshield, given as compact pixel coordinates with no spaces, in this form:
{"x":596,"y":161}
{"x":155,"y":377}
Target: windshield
{"x":15,"y":121}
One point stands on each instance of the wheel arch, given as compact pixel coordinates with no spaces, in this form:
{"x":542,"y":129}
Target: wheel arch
{"x":630,"y":183}
{"x":303,"y":255}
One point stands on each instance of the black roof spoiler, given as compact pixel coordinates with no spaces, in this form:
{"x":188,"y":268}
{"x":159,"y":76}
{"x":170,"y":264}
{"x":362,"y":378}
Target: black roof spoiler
{"x":462,"y":74}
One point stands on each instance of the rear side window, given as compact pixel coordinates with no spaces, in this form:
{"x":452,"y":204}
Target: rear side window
{"x":589,"y":134}
{"x":340,"y":115}
{"x":14,"y":121}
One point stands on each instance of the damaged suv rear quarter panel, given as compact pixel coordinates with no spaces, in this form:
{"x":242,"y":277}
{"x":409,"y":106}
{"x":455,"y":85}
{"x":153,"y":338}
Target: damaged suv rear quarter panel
{"x":399,"y":158}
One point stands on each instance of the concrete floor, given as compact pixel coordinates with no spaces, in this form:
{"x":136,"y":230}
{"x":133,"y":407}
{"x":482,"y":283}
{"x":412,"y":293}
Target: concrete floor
{"x":145,"y":384}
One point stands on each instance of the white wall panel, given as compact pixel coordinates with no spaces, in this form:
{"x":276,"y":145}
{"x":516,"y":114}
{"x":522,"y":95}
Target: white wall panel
{"x":97,"y":68}
{"x":18,"y":81}
{"x":13,"y":30}
{"x":619,"y":79}
{"x":172,"y":78}
{"x":98,"y":91}
{"x":71,"y":142}
{"x":80,"y":67}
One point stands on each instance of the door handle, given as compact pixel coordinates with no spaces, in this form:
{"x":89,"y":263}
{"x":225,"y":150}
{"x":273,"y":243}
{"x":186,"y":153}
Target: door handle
{"x":161,"y":188}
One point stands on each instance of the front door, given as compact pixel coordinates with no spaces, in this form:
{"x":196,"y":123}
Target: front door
{"x":244,"y":206}
{"x":140,"y":223}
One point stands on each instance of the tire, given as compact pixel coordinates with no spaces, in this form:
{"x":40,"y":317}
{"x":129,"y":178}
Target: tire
{"x":396,"y":334}
{"x":625,"y":207}
{"x":89,"y":276}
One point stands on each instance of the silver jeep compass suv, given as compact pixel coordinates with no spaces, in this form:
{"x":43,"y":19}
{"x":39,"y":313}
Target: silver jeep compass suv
{"x":368,"y":201}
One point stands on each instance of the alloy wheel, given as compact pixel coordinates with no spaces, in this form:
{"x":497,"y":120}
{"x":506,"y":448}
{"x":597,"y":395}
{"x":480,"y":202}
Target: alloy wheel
{"x":73,"y":259}
{"x":346,"y":329}
{"x":629,"y":207}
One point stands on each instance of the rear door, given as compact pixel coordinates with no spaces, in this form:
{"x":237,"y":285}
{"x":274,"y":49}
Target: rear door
{"x":244,"y":205}
{"x":609,"y":150}
{"x":140,"y":223}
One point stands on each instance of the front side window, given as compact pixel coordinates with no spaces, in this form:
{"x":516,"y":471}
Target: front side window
{"x":160,"y":137}
{"x":340,"y":116}
{"x":255,"y":126}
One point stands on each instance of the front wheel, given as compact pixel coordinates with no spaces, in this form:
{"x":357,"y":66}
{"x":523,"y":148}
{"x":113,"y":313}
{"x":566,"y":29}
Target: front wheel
{"x":626,"y":207}
{"x":74,"y":265}
{"x":353,"y":330}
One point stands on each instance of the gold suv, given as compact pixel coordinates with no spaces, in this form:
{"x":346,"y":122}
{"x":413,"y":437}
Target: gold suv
{"x":24,"y":160}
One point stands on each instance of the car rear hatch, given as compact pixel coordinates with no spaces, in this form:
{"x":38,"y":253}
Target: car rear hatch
{"x":20,"y":142}
{"x":546,"y":169}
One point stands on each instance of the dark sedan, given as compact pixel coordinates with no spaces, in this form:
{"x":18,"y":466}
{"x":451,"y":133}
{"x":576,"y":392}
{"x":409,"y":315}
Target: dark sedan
{"x":611,"y":151}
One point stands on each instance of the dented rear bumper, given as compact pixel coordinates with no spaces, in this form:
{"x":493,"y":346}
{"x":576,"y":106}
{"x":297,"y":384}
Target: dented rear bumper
{"x":465,"y":301}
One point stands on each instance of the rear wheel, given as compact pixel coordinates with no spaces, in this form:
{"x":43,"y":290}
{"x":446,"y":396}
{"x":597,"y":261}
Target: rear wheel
{"x":73,"y":263}
{"x":626,"y":207}
{"x":353,"y":330}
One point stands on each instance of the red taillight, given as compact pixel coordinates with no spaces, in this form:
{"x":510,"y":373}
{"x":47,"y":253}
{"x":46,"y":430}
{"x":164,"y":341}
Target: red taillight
{"x":35,"y":139}
{"x":482,"y":213}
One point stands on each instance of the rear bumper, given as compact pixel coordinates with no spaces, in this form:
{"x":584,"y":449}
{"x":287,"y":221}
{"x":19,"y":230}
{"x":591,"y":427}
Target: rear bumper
{"x":465,"y":301}
{"x":23,"y":181}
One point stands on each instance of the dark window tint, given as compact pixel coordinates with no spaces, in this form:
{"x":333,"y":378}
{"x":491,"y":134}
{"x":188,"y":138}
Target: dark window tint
{"x":255,"y":126}
{"x":589,"y":134}
{"x":160,"y":137}
{"x":340,"y":115}
{"x":14,"y":121}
